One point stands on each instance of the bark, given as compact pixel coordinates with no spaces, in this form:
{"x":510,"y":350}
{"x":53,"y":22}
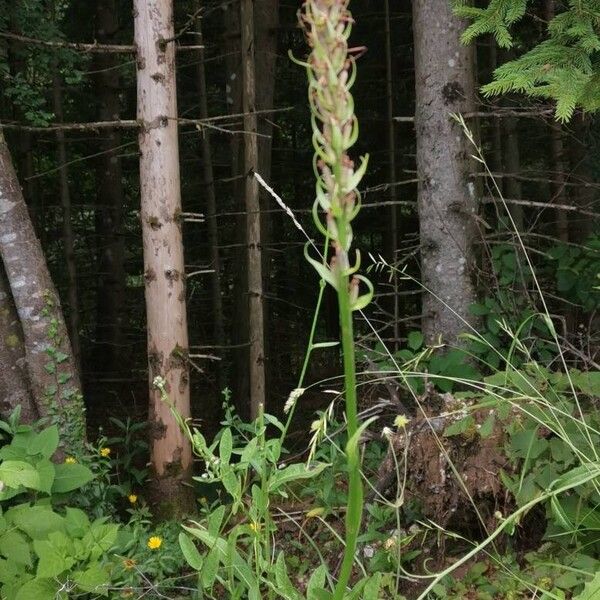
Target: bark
{"x":239,"y":331}
{"x":67,"y":225}
{"x":512,"y":162}
{"x":582,"y":196}
{"x":497,"y":162}
{"x":391,"y":166}
{"x":14,"y":385}
{"x":111,"y":295}
{"x":211,"y":218}
{"x":56,"y":388}
{"x":253,"y":224}
{"x":171,"y":457}
{"x":559,"y":192}
{"x":446,"y":197}
{"x":266,"y":22}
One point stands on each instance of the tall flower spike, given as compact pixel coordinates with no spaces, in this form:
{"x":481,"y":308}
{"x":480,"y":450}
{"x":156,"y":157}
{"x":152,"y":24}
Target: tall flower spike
{"x":331,"y":72}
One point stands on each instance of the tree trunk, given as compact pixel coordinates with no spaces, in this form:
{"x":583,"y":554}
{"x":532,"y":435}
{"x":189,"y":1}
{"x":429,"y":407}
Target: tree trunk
{"x":253,"y":228}
{"x":239,"y":331}
{"x":211,"y":215}
{"x":391,"y":168}
{"x":583,"y":195}
{"x":164,"y":275}
{"x":512,"y":163}
{"x":67,"y":225}
{"x":14,"y":385}
{"x":50,"y":366}
{"x":446,"y":197}
{"x":266,"y":22}
{"x":111,"y":294}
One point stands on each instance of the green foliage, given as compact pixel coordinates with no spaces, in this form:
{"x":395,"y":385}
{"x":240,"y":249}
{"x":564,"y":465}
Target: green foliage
{"x":45,"y":549}
{"x":235,"y":537}
{"x":29,"y":75}
{"x":563,"y":67}
{"x":64,"y":401}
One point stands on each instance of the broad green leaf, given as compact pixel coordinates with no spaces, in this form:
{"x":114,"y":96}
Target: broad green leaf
{"x":415,"y":340}
{"x":77,"y":522}
{"x":372,"y":587}
{"x":100,"y":538}
{"x":36,"y":521}
{"x":487,"y":427}
{"x":293,"y":473}
{"x":190,"y":552}
{"x":38,"y":589}
{"x":316,"y":582}
{"x":225,"y":446}
{"x":47,"y":472}
{"x":459,"y":427}
{"x":14,"y":545}
{"x":16,"y":473}
{"x":95,"y":579}
{"x":210,"y":568}
{"x":215,"y":519}
{"x":528,"y":444}
{"x":52,"y":562}
{"x":44,"y":443}
{"x":70,"y":477}
{"x":285,"y":587}
{"x":230,"y":483}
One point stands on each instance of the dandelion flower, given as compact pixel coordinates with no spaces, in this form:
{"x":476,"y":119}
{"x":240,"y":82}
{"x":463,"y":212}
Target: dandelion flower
{"x":132,"y":498}
{"x":105,"y":452}
{"x":129,"y":563}
{"x":70,"y":460}
{"x":401,"y":421}
{"x":154,"y":543}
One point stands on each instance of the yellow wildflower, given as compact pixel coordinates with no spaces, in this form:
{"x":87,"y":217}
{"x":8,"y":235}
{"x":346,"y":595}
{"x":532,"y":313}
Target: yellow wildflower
{"x":105,"y":452}
{"x":401,"y":421}
{"x":132,"y":498}
{"x":154,"y":543}
{"x":70,"y":460}
{"x":129,"y":563}
{"x":255,"y":526}
{"x":315,"y":512}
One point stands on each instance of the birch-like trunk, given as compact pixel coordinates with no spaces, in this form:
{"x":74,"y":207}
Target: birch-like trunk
{"x":447,"y":200}
{"x":14,"y":384}
{"x":164,"y":275}
{"x":52,"y":373}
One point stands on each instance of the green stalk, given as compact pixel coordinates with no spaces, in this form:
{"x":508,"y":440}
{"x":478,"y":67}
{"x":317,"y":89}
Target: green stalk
{"x":355,"y":487}
{"x":331,"y":70}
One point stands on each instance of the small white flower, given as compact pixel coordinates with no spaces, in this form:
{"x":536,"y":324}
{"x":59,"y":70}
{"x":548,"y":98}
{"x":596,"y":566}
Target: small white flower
{"x":386,"y":432}
{"x":368,"y":551}
{"x":159,"y":382}
{"x":292,"y":399}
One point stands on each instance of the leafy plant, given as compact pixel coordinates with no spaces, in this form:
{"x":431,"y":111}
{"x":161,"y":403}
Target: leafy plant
{"x":46,"y":551}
